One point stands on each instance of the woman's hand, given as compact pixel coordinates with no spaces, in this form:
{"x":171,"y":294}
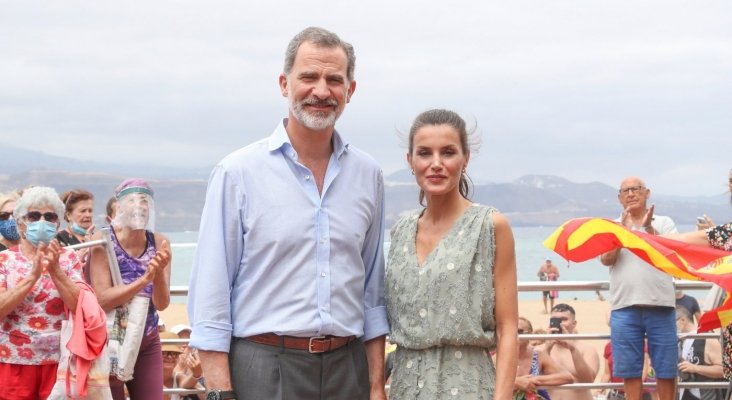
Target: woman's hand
{"x":524,"y":383}
{"x":46,"y":259}
{"x":156,"y":265}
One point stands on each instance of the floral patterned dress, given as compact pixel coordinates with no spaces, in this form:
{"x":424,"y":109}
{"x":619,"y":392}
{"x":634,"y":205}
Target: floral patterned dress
{"x":441,"y":313}
{"x":720,"y":237}
{"x":30,"y":334}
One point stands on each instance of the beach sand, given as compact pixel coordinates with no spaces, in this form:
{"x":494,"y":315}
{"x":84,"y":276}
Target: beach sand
{"x":591,"y":316}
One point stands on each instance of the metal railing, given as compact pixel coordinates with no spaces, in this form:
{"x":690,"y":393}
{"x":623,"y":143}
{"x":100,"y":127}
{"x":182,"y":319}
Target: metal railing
{"x":522,"y":287}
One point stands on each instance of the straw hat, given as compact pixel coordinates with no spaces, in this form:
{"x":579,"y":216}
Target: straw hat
{"x":170,"y":346}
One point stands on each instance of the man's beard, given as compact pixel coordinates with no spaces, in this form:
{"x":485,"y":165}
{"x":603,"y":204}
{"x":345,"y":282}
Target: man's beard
{"x":315,"y":120}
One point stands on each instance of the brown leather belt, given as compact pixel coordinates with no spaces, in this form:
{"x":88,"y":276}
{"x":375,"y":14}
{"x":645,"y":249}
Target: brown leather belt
{"x":317,"y":344}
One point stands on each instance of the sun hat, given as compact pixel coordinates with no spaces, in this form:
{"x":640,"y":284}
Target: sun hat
{"x":177,"y":329}
{"x":170,"y":346}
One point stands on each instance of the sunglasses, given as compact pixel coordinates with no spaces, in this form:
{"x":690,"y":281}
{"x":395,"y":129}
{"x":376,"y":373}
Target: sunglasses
{"x":34,"y":216}
{"x":4,"y":216}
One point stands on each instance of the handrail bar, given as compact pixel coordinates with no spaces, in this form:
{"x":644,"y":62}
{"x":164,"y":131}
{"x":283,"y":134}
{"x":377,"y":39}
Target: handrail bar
{"x":539,"y":286}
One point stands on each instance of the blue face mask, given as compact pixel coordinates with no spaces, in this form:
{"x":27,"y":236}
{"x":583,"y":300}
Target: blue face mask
{"x":40,"y":231}
{"x":78,"y":230}
{"x":9,"y":230}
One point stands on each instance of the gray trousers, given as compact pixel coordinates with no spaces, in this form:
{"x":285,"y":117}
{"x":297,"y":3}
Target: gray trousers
{"x":262,"y":372}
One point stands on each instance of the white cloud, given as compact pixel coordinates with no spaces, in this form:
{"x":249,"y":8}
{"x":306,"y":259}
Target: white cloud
{"x":590,"y":90}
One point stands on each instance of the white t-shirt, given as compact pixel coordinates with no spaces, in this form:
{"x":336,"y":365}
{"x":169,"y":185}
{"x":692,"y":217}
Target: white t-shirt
{"x":633,"y":282}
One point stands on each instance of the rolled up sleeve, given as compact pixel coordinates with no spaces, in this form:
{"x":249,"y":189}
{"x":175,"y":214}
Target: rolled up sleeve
{"x":375,"y":319}
{"x":216,"y":262}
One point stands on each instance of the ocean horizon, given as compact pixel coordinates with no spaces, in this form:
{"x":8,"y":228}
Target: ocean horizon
{"x":530,"y":254}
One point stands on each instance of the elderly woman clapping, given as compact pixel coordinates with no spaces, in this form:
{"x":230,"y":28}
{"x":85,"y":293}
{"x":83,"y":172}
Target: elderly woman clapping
{"x":37,"y":279}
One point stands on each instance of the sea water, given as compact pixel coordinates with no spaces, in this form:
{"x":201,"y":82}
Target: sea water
{"x":530,"y":255}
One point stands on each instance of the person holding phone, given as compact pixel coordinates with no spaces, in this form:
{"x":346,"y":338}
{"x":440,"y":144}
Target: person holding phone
{"x":576,"y":356}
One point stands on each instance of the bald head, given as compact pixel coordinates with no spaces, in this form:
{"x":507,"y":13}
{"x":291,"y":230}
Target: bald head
{"x":632,"y":181}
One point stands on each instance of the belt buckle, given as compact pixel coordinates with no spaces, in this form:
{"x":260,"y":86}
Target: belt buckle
{"x":310,"y":344}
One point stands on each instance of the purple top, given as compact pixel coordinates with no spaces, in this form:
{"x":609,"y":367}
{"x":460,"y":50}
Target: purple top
{"x":132,"y":268}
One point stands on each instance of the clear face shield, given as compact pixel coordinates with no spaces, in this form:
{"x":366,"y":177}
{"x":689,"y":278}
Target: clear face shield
{"x":135,"y":210}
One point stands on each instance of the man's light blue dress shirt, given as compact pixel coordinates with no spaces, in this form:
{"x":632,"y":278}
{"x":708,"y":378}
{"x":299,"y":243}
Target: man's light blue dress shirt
{"x":274,"y":255}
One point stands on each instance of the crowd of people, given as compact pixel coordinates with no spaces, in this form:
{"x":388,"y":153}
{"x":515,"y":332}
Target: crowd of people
{"x":292,"y":297}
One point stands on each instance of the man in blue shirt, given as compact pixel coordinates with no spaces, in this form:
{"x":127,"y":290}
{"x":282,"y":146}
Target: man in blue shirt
{"x":286,"y":293}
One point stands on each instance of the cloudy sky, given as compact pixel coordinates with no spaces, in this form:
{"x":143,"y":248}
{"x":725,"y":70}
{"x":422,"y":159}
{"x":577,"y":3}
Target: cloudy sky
{"x":585,"y":89}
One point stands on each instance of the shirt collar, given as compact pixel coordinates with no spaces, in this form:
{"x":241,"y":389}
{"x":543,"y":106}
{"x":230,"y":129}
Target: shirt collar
{"x":280,"y":141}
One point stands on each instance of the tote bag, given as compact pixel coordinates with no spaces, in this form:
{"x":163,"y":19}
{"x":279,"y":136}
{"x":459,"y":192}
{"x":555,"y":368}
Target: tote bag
{"x":66,"y":376}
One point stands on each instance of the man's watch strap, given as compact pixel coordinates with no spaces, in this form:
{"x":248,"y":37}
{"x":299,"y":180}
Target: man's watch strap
{"x":217,"y":394}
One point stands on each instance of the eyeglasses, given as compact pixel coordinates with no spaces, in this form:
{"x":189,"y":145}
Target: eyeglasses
{"x":522,"y":331}
{"x":170,"y":354}
{"x":4,"y":216}
{"x":631,"y":189}
{"x":34,"y":216}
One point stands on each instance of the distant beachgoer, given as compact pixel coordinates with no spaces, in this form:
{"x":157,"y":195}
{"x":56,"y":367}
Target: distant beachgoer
{"x":38,"y":278}
{"x":144,"y":262}
{"x":576,"y":356}
{"x":451,"y":277}
{"x":9,"y":235}
{"x":700,"y":360}
{"x":111,"y":209}
{"x":79,"y":215}
{"x":173,"y":378}
{"x":642,"y":300}
{"x":720,"y":237}
{"x":548,"y":272}
{"x":536,"y":368}
{"x":690,"y":303}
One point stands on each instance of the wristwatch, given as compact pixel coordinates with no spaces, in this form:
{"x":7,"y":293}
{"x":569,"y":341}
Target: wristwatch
{"x":216,"y":394}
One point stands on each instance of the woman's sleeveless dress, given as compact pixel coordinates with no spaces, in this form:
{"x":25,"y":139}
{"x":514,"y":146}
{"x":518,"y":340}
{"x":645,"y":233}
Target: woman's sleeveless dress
{"x":441,"y":313}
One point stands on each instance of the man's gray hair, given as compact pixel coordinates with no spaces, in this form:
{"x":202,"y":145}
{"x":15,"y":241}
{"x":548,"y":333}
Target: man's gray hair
{"x":322,"y":38}
{"x":37,"y":197}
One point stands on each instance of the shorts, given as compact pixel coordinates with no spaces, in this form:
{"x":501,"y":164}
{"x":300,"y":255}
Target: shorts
{"x":628,"y":328}
{"x":26,"y":381}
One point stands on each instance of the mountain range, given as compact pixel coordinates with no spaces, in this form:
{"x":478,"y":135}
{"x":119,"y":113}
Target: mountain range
{"x":532,"y":200}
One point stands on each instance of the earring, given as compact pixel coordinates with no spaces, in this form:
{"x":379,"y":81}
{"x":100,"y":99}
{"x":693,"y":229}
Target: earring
{"x":412,"y":172}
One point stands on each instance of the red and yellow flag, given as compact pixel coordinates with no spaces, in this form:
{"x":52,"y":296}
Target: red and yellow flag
{"x":584,"y":238}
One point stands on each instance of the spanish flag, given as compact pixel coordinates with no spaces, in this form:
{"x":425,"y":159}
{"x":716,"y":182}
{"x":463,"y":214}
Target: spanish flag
{"x":584,"y":238}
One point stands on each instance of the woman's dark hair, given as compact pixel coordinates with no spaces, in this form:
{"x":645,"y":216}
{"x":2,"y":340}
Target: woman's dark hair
{"x":72,"y":197}
{"x":444,"y":117}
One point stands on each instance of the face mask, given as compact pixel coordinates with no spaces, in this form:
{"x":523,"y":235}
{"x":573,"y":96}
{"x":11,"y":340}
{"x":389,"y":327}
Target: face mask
{"x":9,"y":230}
{"x":78,"y":230}
{"x":40,"y":231}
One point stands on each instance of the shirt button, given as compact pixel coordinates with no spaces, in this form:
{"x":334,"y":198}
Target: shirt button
{"x":423,"y":313}
{"x":420,"y":383}
{"x":421,"y":271}
{"x":450,"y":266}
{"x":454,"y":391}
{"x":322,"y":274}
{"x":453,"y":310}
{"x":409,"y":364}
{"x":458,"y":354}
{"x":478,"y":267}
{"x":307,"y":177}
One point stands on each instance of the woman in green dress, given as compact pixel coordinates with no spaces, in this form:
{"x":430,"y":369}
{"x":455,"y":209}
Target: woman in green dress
{"x":451,"y":278}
